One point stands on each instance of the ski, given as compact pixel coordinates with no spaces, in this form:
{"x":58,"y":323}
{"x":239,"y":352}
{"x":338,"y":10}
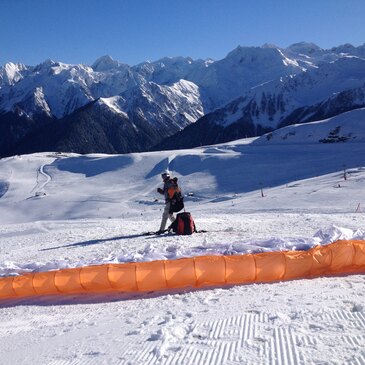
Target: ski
{"x":155,"y":233}
{"x":166,"y":231}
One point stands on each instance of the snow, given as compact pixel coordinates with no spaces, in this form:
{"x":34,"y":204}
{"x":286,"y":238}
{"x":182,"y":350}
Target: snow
{"x":341,"y":126}
{"x":316,"y":85}
{"x":113,"y":104}
{"x":287,"y":61}
{"x":68,"y":210}
{"x":11,"y":73}
{"x":40,"y":102}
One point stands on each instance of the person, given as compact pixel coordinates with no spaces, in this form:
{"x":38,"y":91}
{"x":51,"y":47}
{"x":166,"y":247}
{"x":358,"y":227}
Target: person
{"x":168,"y":185}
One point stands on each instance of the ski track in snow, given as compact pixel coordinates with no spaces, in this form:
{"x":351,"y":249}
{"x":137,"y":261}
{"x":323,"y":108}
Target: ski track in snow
{"x":190,"y":328}
{"x":41,"y":182}
{"x":4,"y":183}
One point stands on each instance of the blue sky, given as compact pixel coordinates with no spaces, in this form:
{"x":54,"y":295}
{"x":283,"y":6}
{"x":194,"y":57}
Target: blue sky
{"x":132,"y":31}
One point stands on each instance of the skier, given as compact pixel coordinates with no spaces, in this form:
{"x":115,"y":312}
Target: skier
{"x":168,"y":190}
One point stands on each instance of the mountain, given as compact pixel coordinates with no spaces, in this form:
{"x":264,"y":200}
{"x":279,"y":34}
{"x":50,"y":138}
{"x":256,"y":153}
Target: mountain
{"x":251,"y":91}
{"x":226,"y":79}
{"x":324,"y":91}
{"x":112,"y":125}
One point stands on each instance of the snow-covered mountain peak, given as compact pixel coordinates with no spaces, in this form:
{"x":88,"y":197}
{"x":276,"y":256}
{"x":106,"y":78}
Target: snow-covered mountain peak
{"x":47,"y":62}
{"x":45,"y":65}
{"x":259,"y":57}
{"x":269,"y":45}
{"x":344,"y":49}
{"x":306,"y":48}
{"x":242,"y":53}
{"x":185,"y":86}
{"x":10,"y":73}
{"x":348,"y":49}
{"x":242,"y":69}
{"x":313,"y":55}
{"x":169,"y":70}
{"x":59,"y":67}
{"x":13,"y":67}
{"x":280,"y":97}
{"x":174,"y":61}
{"x":105,"y":63}
{"x":166,"y":107}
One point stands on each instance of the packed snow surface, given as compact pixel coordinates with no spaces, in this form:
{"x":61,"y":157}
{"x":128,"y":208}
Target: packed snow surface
{"x":67,"y":210}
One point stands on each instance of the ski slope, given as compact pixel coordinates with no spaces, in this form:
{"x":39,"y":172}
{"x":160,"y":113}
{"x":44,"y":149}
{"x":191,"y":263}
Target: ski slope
{"x":66,"y":210}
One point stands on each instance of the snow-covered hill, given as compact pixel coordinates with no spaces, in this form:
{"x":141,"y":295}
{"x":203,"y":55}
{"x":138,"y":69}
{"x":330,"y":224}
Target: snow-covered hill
{"x":68,"y":210}
{"x":346,"y":127}
{"x":274,"y":87}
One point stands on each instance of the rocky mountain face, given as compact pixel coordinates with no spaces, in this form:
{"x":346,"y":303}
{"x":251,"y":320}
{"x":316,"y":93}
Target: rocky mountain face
{"x":91,"y":128}
{"x":174,"y":102}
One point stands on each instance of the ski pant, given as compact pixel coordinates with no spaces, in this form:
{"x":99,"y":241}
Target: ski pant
{"x":166,"y":215}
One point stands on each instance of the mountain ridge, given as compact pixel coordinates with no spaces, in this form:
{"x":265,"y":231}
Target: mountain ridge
{"x":173,"y":93}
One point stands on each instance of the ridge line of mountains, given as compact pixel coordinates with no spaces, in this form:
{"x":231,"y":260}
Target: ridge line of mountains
{"x":173,"y":103}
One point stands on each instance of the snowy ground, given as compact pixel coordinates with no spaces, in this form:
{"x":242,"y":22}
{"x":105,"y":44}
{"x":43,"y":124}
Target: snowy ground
{"x":68,"y":210}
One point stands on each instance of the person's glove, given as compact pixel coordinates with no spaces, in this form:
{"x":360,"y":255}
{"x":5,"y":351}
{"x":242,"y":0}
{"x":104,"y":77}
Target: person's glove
{"x":159,"y":190}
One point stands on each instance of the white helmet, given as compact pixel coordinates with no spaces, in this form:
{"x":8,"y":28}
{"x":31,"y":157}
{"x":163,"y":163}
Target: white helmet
{"x":165,"y":175}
